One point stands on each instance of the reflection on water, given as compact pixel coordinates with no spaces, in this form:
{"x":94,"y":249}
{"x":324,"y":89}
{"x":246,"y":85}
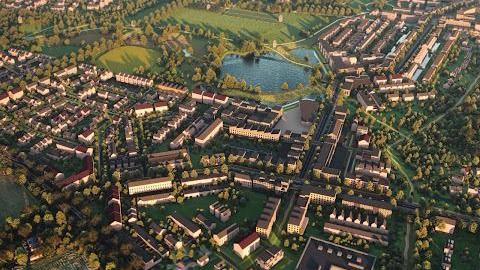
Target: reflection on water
{"x":269,"y":71}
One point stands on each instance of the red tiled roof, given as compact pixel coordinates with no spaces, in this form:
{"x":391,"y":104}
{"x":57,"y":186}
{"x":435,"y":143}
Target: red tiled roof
{"x":397,"y":76}
{"x":208,"y":94}
{"x":87,"y":133}
{"x":221,"y":97}
{"x":248,"y":240}
{"x":81,"y":148}
{"x":197,"y":91}
{"x":86,"y":170}
{"x":4,"y":95}
{"x":143,"y":106}
{"x":160,"y":104}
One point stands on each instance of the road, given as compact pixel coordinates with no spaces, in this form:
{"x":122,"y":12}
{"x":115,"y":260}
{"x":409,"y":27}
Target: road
{"x":321,"y":129}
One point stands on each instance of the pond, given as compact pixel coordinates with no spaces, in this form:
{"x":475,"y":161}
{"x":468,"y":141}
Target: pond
{"x":268,"y":71}
{"x":306,"y":54}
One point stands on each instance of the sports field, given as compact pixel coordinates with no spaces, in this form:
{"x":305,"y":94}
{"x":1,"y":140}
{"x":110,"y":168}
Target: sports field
{"x":248,"y":24}
{"x":13,"y":198}
{"x":127,"y":59}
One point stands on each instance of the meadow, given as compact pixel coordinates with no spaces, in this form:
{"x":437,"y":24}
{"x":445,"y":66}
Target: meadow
{"x":13,"y":198}
{"x":127,"y":59}
{"x":247,"y":24}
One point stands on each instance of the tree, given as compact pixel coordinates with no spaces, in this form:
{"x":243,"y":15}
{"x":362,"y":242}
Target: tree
{"x":285,"y":86}
{"x":93,"y":262}
{"x":473,"y":227}
{"x":210,"y":76}
{"x":224,"y":168}
{"x":60,"y":218}
{"x":206,"y":171}
{"x":193,"y":174}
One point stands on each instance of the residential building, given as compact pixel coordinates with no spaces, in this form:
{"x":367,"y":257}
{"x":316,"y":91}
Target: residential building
{"x":148,"y":185}
{"x":247,"y":245}
{"x":187,"y":225}
{"x":226,"y":234}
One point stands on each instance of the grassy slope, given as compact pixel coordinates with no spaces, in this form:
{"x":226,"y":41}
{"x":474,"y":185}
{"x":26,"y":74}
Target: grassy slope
{"x":13,"y":198}
{"x":127,"y":58}
{"x":247,"y":26}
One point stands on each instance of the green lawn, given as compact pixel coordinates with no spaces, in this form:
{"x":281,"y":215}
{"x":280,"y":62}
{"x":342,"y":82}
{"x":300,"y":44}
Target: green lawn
{"x":251,"y":210}
{"x":254,"y":26}
{"x":463,"y":239}
{"x":60,"y":50}
{"x":275,"y":98}
{"x":13,"y":198}
{"x":127,"y":59}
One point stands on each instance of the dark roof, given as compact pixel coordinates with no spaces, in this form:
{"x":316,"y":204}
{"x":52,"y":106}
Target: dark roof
{"x":316,"y":255}
{"x":245,"y":242}
{"x":188,"y":224}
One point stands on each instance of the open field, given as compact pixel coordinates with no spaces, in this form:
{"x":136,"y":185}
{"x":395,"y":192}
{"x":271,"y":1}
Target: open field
{"x":127,"y":59}
{"x":13,"y":198}
{"x":236,"y":23}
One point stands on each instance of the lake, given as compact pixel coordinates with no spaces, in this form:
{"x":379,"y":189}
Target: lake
{"x":304,"y":54}
{"x":268,"y":71}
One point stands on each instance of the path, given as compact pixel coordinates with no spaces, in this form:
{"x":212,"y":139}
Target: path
{"x":288,"y":59}
{"x":387,"y":126}
{"x":471,"y":87}
{"x":401,"y":169}
{"x":406,"y":258}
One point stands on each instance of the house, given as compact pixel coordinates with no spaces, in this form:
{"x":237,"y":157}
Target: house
{"x":247,"y":245}
{"x":4,"y":99}
{"x":408,"y":97}
{"x":226,"y":234}
{"x":205,"y":222}
{"x":114,"y":208}
{"x":187,"y":225}
{"x":318,"y":195}
{"x":87,"y":137}
{"x":15,"y":94}
{"x":268,"y":217}
{"x":320,"y":254}
{"x":143,"y":108}
{"x":364,"y":141}
{"x":202,"y":261}
{"x":369,"y":101}
{"x":269,"y":257}
{"x":445,"y":224}
{"x":298,"y":221}
{"x":149,"y":185}
{"x":156,"y":198}
{"x":209,"y":133}
{"x":172,"y":242}
{"x":161,"y":106}
{"x":372,"y":205}
{"x":81,"y":177}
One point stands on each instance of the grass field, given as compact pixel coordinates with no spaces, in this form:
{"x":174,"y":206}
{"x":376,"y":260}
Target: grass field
{"x":463,"y":241}
{"x":247,"y":24}
{"x":274,"y":98}
{"x":127,"y":59}
{"x":13,"y":198}
{"x":59,"y":50}
{"x":251,"y":210}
